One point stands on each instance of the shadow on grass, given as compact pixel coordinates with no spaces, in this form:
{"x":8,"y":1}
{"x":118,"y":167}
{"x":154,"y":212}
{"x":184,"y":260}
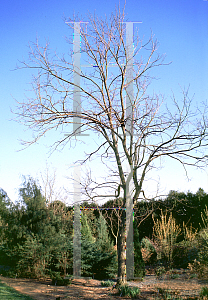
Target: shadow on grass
{"x":8,"y":293}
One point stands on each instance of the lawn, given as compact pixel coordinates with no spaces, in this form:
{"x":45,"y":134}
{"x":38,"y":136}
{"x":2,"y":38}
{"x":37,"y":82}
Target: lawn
{"x":8,"y":293}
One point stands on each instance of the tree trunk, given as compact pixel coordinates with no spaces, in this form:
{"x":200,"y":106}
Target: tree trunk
{"x":121,"y":251}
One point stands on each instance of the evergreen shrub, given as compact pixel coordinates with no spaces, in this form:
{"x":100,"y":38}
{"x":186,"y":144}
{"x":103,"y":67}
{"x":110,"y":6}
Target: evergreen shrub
{"x":98,"y":257}
{"x":58,"y":279}
{"x":139,"y":265}
{"x":183,"y":254}
{"x":149,"y":252}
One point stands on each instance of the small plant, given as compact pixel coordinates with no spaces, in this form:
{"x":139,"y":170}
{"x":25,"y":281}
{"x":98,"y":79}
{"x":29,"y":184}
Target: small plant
{"x":125,"y":290}
{"x":192,"y":276}
{"x":174,"y":276}
{"x":159,"y":271}
{"x":107,"y":283}
{"x":163,"y":292}
{"x":204,"y":292}
{"x":199,"y":268}
{"x":168,"y":294}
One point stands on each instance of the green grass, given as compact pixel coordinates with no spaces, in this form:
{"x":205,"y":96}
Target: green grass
{"x":8,"y":293}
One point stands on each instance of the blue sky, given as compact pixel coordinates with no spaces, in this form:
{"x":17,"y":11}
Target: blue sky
{"x":181,"y":27}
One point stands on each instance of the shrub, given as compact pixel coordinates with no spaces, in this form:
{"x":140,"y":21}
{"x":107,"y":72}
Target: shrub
{"x":149,"y":253}
{"x":139,"y":265}
{"x":58,"y":279}
{"x":9,"y":273}
{"x":96,"y":263}
{"x":183,"y":254}
{"x":166,"y":232}
{"x":203,"y":245}
{"x":159,"y":271}
{"x":200,"y":265}
{"x":201,"y":269}
{"x":98,"y":258}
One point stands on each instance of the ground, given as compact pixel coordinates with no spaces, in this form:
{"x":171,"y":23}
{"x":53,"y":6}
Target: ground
{"x":92,"y":289}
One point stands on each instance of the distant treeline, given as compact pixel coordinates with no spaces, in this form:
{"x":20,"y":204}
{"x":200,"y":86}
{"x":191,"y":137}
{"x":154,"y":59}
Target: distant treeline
{"x":36,"y":237}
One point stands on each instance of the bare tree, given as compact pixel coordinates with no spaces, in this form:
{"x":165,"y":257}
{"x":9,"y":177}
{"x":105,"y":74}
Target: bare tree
{"x":149,"y":132}
{"x":49,"y":186}
{"x":113,"y":216}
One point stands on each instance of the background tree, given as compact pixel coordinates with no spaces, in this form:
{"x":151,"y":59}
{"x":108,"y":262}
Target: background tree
{"x":139,"y":266}
{"x":113,"y":216}
{"x":37,"y":238}
{"x":138,"y":135}
{"x":98,"y":256}
{"x":5,"y":210}
{"x":50,"y":190}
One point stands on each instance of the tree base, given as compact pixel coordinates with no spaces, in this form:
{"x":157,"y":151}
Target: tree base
{"x":121,"y":281}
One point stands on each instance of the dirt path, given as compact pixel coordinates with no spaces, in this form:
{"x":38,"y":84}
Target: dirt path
{"x":79,"y":289}
{"x":92,"y":289}
{"x":181,"y":286}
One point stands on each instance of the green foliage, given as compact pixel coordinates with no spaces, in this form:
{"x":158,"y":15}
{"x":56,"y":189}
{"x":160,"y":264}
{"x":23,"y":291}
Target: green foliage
{"x":86,"y":231}
{"x":203,"y":245}
{"x":186,"y":208}
{"x":98,"y":257}
{"x":200,"y":265}
{"x":5,"y":208}
{"x":61,"y":253}
{"x":184,"y":253}
{"x":174,"y":276}
{"x":88,"y":248}
{"x":106,"y":262}
{"x":168,"y":294}
{"x":139,"y":266}
{"x":103,"y":240}
{"x":149,"y":251}
{"x":58,"y":279}
{"x":160,"y":271}
{"x":107,"y":283}
{"x":36,"y":238}
{"x":193,"y":276}
{"x":204,"y":292}
{"x":125,"y":290}
{"x":32,"y":258}
{"x":201,"y":269}
{"x":9,"y":273}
